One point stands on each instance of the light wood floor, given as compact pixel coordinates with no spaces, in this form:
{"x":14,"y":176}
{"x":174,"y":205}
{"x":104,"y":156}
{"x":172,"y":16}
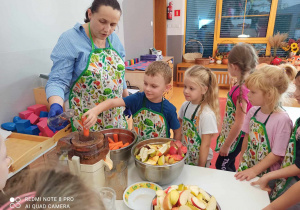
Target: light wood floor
{"x":178,"y":98}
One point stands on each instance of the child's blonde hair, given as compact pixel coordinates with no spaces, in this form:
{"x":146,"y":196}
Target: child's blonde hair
{"x":162,"y":68}
{"x":274,"y":80}
{"x":48,"y":183}
{"x":203,"y":76}
{"x":245,"y":57}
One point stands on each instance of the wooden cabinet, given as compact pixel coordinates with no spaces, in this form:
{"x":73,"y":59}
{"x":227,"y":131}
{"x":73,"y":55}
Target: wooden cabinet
{"x":136,"y":77}
{"x":220,"y":70}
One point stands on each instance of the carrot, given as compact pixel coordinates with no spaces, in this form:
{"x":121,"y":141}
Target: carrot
{"x":93,"y":65}
{"x":125,"y":145}
{"x":110,"y":140}
{"x":256,"y":135}
{"x":115,"y":147}
{"x":86,"y":131}
{"x":118,"y":143}
{"x":136,"y":130}
{"x":115,"y":81}
{"x":116,"y":137}
{"x":161,"y":118}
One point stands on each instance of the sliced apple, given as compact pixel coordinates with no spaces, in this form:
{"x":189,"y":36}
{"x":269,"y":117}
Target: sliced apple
{"x":204,"y":194}
{"x":173,"y":150}
{"x":144,"y":155}
{"x":200,"y":196}
{"x":167,"y":190}
{"x":154,"y":202}
{"x":172,"y":144}
{"x":184,"y":207}
{"x":179,"y":152}
{"x":167,"y":205}
{"x":151,"y":152}
{"x":178,"y":143}
{"x":199,"y":204}
{"x":171,"y":160}
{"x":181,"y":187}
{"x":184,"y":149}
{"x":174,"y":196}
{"x":183,"y":197}
{"x":160,"y":201}
{"x":151,"y":162}
{"x":194,"y":190}
{"x":155,"y":158}
{"x":175,"y":208}
{"x":177,"y":157}
{"x":160,"y":193}
{"x":167,"y":158}
{"x":161,"y":160}
{"x":164,"y":149}
{"x":212,"y":204}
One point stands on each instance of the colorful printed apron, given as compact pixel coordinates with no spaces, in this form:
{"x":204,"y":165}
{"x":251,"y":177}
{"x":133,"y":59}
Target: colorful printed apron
{"x":150,"y":124}
{"x":102,"y":79}
{"x":190,"y":134}
{"x":228,"y":121}
{"x":258,"y":144}
{"x":289,"y":159}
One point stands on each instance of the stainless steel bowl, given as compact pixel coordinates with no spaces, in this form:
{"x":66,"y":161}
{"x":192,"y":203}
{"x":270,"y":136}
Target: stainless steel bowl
{"x":125,"y":136}
{"x":161,"y":175}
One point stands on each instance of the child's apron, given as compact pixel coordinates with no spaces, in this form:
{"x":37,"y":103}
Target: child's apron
{"x":228,"y":121}
{"x":190,"y":134}
{"x":150,"y":124}
{"x":289,"y":159}
{"x":102,"y":79}
{"x":258,"y":144}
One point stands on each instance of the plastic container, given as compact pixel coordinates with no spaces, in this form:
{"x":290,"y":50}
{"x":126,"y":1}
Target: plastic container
{"x":60,"y":119}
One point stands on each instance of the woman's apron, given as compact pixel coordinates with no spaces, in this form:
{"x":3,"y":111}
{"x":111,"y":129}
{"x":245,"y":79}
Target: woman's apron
{"x":258,"y":144}
{"x":228,"y":121}
{"x":190,"y":134}
{"x":289,"y":159}
{"x":102,"y":79}
{"x":150,"y":124}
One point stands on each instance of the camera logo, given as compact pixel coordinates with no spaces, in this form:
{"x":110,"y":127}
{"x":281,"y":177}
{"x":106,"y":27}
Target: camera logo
{"x":15,"y":203}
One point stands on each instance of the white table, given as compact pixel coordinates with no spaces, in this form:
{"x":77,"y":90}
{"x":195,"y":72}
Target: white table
{"x":230,"y":193}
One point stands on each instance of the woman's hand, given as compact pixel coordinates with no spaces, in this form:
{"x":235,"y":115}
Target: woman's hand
{"x":245,"y":175}
{"x":91,"y":118}
{"x":224,"y":150}
{"x":262,"y":183}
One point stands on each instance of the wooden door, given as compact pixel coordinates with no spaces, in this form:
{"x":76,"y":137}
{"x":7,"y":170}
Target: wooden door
{"x":160,"y":25}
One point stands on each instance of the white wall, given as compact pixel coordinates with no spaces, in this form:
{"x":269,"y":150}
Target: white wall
{"x":29,"y":31}
{"x":176,"y":25}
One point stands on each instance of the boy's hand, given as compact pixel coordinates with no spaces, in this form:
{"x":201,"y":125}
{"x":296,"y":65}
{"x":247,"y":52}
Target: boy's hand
{"x":91,"y":118}
{"x":224,"y":150}
{"x":245,"y":175}
{"x":263,"y":183}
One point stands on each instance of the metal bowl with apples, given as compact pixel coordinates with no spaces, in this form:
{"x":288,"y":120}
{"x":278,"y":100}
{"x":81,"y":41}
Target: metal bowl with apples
{"x":184,"y":197}
{"x":159,"y":160}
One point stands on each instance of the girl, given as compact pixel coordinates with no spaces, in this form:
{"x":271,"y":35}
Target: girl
{"x":267,"y":125}
{"x":241,"y":61}
{"x":198,"y":115}
{"x":290,"y":168}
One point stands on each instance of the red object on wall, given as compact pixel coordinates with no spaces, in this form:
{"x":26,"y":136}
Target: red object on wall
{"x":169,"y":10}
{"x":177,"y":12}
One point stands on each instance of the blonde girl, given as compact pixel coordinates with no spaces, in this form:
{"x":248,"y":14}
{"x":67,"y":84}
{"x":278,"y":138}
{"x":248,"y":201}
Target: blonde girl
{"x":267,"y":126}
{"x":242,"y":60}
{"x":199,"y":115}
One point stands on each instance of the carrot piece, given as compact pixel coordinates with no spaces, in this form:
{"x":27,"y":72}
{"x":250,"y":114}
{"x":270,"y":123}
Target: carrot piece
{"x":110,"y":140}
{"x":86,"y":131}
{"x":117,"y":144}
{"x":115,"y":147}
{"x":116,"y":137}
{"x":125,"y":145}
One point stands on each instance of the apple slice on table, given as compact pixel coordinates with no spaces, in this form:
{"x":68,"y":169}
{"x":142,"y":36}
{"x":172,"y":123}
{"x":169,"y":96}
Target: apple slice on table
{"x":167,"y":205}
{"x":183,"y":197}
{"x":199,"y":204}
{"x":184,"y":149}
{"x":174,"y":196}
{"x":194,"y":190}
{"x":212,"y":204}
{"x":204,"y":194}
{"x":184,"y":207}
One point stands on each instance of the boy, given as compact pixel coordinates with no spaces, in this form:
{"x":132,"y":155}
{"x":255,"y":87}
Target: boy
{"x":153,"y":116}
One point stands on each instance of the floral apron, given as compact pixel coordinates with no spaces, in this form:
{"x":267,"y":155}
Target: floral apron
{"x":190,"y":134}
{"x":228,"y":121}
{"x":289,"y":159}
{"x":150,"y":124}
{"x":102,"y":79}
{"x":258,"y":144}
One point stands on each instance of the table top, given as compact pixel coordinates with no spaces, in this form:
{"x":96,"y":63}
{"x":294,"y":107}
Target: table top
{"x":211,"y":66}
{"x":230,"y":193}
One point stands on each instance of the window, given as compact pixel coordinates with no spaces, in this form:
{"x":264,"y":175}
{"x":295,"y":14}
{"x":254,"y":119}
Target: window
{"x":200,"y":26}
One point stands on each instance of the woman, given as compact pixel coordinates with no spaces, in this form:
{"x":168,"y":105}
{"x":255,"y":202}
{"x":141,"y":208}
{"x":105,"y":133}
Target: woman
{"x":88,"y":68}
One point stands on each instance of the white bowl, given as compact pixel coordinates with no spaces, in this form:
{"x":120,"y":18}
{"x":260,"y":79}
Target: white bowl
{"x":140,"y":194}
